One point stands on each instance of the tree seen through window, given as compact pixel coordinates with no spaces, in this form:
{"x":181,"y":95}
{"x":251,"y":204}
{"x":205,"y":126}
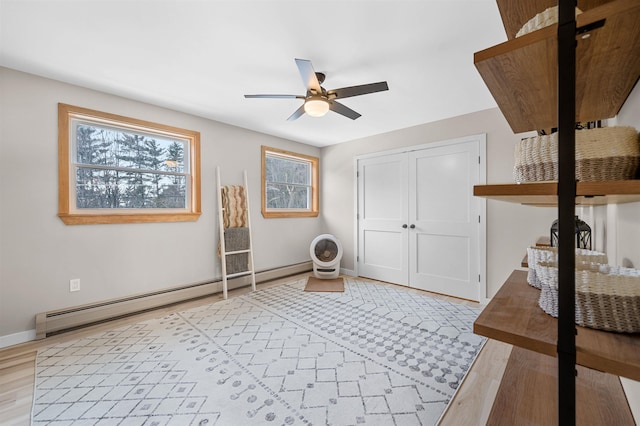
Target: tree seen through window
{"x":289,"y":184}
{"x":117,"y":169}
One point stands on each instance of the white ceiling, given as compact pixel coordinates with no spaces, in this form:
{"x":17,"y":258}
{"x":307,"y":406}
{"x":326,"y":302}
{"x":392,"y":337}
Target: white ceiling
{"x":201,"y":57}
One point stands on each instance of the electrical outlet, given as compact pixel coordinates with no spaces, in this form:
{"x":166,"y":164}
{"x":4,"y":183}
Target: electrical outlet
{"x":74,"y":285}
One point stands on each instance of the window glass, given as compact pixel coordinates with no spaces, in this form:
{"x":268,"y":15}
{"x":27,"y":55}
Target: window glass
{"x":289,"y":184}
{"x":119,"y":169}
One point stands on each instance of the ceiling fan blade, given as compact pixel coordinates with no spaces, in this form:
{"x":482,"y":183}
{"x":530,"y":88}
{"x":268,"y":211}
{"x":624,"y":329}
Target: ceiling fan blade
{"x":343,"y":110}
{"x":346,"y":92}
{"x":297,"y":113}
{"x":275,"y":96}
{"x":308,"y":75}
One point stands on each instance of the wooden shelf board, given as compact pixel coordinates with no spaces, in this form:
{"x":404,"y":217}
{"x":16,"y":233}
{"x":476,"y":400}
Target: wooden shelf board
{"x":513,"y":316}
{"x":546,"y":193}
{"x":528,"y":394}
{"x":543,"y":241}
{"x":521,"y":73}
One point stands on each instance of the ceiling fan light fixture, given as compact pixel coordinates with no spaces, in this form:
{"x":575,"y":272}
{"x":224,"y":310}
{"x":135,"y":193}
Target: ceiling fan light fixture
{"x":316,"y":106}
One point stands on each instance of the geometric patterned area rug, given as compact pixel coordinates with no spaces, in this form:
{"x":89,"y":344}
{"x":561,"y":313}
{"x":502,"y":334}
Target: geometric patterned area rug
{"x":373,"y":355}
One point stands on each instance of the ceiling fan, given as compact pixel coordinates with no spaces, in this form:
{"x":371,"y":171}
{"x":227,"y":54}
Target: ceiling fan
{"x":318,"y":101}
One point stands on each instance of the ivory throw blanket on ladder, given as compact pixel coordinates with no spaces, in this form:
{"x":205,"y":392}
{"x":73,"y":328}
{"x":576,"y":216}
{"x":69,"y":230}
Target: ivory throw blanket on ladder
{"x":236,"y":233}
{"x":234,"y":203}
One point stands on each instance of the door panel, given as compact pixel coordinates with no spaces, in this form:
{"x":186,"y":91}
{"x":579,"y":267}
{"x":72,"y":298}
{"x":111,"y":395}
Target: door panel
{"x":434,"y":265}
{"x":382,"y":210}
{"x":444,"y":255}
{"x":383,"y":257}
{"x":448,"y":176}
{"x":381,"y":181}
{"x":434,"y":253}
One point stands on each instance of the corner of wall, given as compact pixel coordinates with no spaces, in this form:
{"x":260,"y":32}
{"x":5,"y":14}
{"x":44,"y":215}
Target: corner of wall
{"x":349,"y":272}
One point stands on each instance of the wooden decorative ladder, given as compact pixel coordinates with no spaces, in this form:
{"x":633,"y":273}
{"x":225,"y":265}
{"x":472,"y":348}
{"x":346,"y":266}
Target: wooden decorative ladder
{"x":223,"y":252}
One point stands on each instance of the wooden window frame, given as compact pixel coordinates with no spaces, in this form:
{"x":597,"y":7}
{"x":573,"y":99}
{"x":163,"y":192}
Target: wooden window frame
{"x":315,"y":191}
{"x":66,"y":206}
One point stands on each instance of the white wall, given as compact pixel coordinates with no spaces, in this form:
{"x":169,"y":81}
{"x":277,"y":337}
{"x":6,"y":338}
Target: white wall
{"x":39,"y":254}
{"x":626,"y":235}
{"x":618,"y":225}
{"x":511,"y":228}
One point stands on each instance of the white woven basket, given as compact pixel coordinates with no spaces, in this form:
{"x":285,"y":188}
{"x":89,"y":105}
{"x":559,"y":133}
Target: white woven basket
{"x":606,"y":297}
{"x":543,"y":19}
{"x":606,"y":153}
{"x":538,"y":254}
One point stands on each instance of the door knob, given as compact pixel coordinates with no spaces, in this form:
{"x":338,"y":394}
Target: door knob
{"x":404,"y":226}
{"x":412,"y":226}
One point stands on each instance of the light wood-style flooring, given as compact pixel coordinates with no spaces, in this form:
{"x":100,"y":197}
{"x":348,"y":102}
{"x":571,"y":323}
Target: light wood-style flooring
{"x":17,"y":365}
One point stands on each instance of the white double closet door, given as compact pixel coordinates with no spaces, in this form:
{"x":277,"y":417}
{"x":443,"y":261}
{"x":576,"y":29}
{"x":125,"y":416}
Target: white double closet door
{"x":419,"y":224}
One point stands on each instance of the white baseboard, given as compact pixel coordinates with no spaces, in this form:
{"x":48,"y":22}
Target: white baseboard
{"x":17,"y":338}
{"x":349,"y":272}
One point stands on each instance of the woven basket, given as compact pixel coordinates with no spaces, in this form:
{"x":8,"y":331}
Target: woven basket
{"x":541,"y":20}
{"x":537,"y":254}
{"x":606,"y":297}
{"x":606,"y":153}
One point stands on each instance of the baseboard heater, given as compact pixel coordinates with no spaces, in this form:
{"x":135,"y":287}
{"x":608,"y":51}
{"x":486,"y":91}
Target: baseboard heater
{"x":55,"y":322}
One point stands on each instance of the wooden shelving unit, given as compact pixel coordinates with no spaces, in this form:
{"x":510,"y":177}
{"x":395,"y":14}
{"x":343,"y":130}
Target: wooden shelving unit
{"x":513,"y":316}
{"x":521,"y":73}
{"x":523,"y":76}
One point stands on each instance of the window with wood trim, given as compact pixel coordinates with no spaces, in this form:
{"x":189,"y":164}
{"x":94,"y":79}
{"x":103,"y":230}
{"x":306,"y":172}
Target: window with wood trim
{"x":289,"y":184}
{"x":114,"y":169}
